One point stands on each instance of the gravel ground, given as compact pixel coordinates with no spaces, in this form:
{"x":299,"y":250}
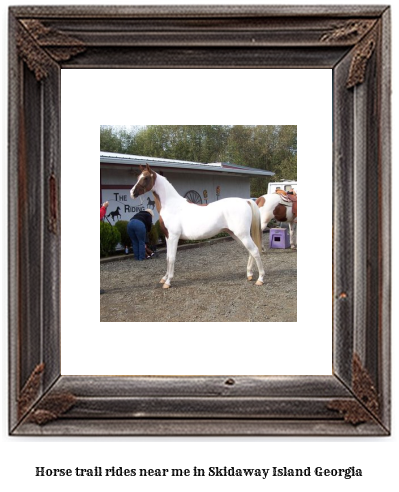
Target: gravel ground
{"x":209,"y":285}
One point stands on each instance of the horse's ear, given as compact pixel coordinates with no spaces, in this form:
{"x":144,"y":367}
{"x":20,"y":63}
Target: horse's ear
{"x":142,"y":168}
{"x":148,"y":168}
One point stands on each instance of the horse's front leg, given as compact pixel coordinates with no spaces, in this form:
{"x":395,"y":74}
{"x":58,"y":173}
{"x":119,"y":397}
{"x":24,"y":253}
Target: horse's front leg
{"x":164,"y":278}
{"x":292,"y":233}
{"x":265,"y":219}
{"x":171,"y":249}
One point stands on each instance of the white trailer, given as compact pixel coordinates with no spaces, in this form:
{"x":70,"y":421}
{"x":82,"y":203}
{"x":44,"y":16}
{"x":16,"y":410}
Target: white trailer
{"x":285,"y":185}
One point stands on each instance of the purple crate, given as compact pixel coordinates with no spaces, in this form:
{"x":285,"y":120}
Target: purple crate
{"x":279,"y":238}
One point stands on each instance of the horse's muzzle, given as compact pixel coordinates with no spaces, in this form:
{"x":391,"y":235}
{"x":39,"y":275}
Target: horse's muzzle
{"x":136,"y":191}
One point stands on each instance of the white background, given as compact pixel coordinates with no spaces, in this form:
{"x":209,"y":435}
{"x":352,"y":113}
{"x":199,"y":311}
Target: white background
{"x":19,"y":456}
{"x":221,"y":97}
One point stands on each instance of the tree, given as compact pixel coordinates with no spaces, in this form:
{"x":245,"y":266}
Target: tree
{"x":117,"y":138}
{"x":267,"y":147}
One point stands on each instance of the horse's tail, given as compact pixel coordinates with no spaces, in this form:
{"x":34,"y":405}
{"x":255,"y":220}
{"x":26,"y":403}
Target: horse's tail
{"x":256,"y":231}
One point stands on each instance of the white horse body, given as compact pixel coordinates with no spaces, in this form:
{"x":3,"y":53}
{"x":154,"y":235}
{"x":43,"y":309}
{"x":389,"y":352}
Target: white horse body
{"x":198,"y":222}
{"x":270,"y":202}
{"x":186,"y":220}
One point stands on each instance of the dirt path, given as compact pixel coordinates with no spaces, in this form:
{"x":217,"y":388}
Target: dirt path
{"x":209,"y":285}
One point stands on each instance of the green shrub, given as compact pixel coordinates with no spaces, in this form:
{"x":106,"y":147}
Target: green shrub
{"x":159,"y":231}
{"x":121,"y":225}
{"x":109,"y":238}
{"x":153,"y":235}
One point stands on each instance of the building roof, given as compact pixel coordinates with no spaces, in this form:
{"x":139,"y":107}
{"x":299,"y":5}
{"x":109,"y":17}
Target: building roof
{"x":220,"y":167}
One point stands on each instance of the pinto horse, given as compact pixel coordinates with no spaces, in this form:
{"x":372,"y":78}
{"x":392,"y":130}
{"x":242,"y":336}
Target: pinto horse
{"x":273,"y":206}
{"x":182,"y":219}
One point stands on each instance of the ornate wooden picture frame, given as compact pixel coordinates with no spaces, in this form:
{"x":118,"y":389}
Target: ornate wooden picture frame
{"x":352,"y":41}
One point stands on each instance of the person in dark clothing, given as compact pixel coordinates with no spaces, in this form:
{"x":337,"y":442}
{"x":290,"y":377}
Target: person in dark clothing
{"x":103,"y":210}
{"x":138,"y":227}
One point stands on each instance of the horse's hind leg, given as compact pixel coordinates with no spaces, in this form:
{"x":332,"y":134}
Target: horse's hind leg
{"x":250,"y":267}
{"x":254,"y":255}
{"x":251,"y":259}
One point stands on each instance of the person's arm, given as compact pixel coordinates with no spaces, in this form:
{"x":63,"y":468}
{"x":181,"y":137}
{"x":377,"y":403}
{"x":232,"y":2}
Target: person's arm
{"x":103,"y":209}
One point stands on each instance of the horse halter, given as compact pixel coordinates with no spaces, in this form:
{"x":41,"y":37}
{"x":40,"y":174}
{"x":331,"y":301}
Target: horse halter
{"x":140,"y":188}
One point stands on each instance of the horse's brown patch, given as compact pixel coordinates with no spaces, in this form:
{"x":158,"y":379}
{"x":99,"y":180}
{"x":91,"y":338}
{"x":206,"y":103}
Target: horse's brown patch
{"x":260,"y":201}
{"x":158,"y":206}
{"x":157,"y":201}
{"x":280,"y":213}
{"x":163,"y":227}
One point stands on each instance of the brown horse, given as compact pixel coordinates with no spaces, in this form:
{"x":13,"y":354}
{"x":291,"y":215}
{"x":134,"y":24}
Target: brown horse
{"x":281,"y":207}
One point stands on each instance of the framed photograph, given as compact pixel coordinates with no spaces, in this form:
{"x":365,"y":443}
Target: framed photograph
{"x":353,"y":44}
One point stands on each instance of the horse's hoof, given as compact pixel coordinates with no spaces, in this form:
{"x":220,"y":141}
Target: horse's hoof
{"x":162,"y":281}
{"x":259,"y":282}
{"x":249,"y":278}
{"x":166,"y":286}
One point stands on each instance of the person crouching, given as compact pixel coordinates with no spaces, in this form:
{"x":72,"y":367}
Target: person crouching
{"x":138,"y":227}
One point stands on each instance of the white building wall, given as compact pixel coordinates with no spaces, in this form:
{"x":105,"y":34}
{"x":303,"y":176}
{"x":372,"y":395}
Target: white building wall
{"x":118,"y":176}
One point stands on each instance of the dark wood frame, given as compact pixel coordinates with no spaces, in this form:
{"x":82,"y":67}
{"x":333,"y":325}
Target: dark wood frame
{"x":353,"y":41}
